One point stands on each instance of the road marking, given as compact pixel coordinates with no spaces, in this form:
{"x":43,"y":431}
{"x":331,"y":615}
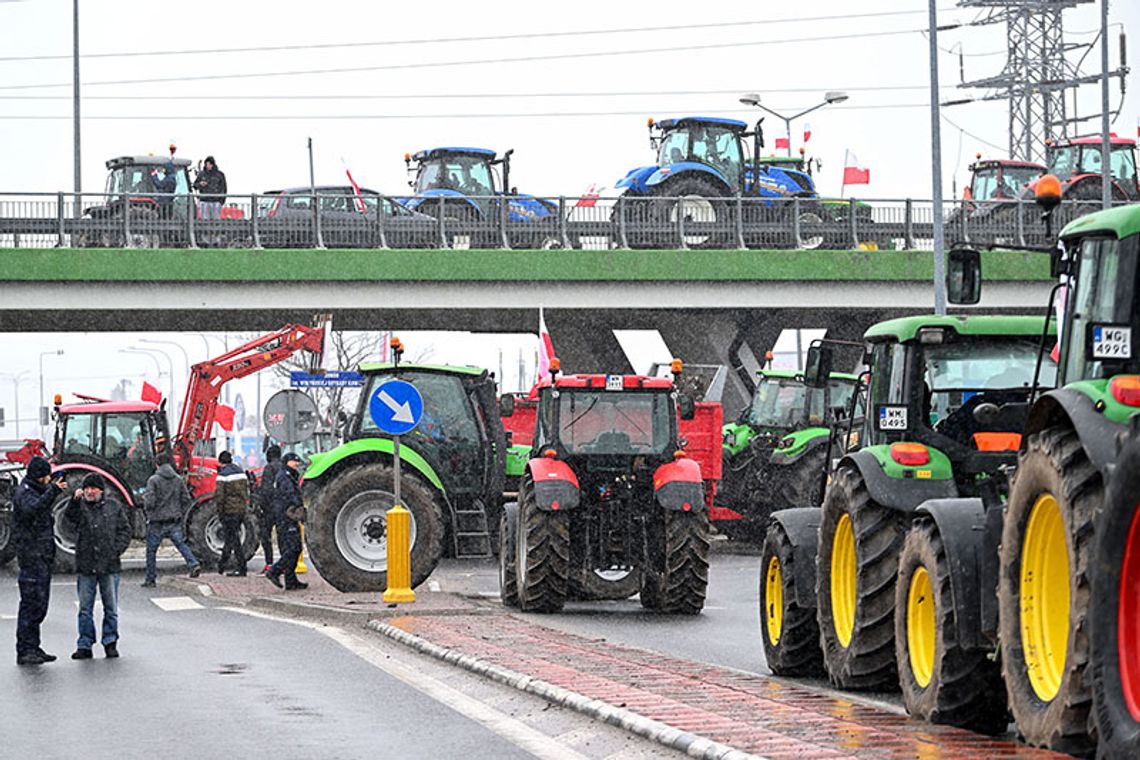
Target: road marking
{"x":433,"y":585}
{"x":518,"y":733}
{"x":175,"y":603}
{"x":7,"y":617}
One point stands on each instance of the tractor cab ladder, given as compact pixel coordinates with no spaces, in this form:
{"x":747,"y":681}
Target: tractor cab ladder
{"x":470,"y":535}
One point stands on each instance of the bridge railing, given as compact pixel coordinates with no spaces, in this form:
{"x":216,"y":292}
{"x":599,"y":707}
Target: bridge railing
{"x":301,"y":220}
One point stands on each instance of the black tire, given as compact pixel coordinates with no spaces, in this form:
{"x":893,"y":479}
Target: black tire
{"x":543,"y":556}
{"x":677,"y":583}
{"x":63,"y":533}
{"x":508,"y":555}
{"x":7,"y":545}
{"x":791,"y":648}
{"x":813,"y":215}
{"x":1116,"y":669}
{"x":963,"y":687}
{"x":346,"y":533}
{"x":703,"y":202}
{"x":1053,"y":464}
{"x":204,"y":534}
{"x":589,"y":585}
{"x":800,"y":483}
{"x":867,"y":660}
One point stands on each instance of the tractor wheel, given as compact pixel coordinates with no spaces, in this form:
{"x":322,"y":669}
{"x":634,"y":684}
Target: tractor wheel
{"x":347,"y":531}
{"x":143,"y":235}
{"x":63,"y":533}
{"x":859,"y":544}
{"x":591,"y":585}
{"x":703,"y":206}
{"x":7,"y":545}
{"x":1043,"y":590}
{"x":941,"y":682}
{"x":799,"y":484}
{"x":679,"y":582}
{"x":811,"y":215}
{"x":1115,"y":611}
{"x":543,"y":555}
{"x":508,"y":555}
{"x":789,"y":631}
{"x":204,"y":535}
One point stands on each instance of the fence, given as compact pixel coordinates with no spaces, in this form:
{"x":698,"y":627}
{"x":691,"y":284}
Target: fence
{"x":301,"y":220}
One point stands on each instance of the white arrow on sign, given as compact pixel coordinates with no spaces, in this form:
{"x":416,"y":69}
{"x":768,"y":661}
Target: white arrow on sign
{"x":400,"y":412}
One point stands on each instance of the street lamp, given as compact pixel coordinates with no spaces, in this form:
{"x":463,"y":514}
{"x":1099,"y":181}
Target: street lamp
{"x":16,"y":378}
{"x":170,"y":366}
{"x":57,"y":352}
{"x":829,"y":98}
{"x":185,"y":359}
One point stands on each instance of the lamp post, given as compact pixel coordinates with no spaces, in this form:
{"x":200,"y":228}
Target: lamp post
{"x":147,"y":353}
{"x":829,"y":98}
{"x":170,"y":366}
{"x":185,"y":359}
{"x":57,"y":352}
{"x":16,"y":378}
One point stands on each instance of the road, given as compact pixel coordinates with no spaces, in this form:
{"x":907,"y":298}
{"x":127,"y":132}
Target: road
{"x":198,"y":678}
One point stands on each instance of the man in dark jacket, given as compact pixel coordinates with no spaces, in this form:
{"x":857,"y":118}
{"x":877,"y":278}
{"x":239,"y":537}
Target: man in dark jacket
{"x":266,"y":516}
{"x":166,"y":501}
{"x":211,"y":186}
{"x":290,"y":514}
{"x":165,"y":183}
{"x":102,"y":534}
{"x":232,"y":498}
{"x":35,"y":551}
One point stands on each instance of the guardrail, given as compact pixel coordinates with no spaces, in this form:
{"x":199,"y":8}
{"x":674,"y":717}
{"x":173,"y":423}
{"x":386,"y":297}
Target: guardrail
{"x":40,"y":220}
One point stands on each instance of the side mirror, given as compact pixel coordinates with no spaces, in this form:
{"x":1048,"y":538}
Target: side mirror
{"x":686,"y":407}
{"x":964,"y":276}
{"x":817,"y":367}
{"x":506,"y":406}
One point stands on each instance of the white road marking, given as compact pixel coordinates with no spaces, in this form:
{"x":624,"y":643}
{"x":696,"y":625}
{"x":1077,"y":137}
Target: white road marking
{"x":433,"y":585}
{"x":205,"y":590}
{"x":518,"y":733}
{"x":7,"y":617}
{"x":175,"y":603}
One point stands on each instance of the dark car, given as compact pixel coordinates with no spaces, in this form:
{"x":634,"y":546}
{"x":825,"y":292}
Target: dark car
{"x":348,"y":219}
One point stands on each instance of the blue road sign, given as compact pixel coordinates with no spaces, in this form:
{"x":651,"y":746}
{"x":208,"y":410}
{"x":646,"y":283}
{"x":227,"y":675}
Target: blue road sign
{"x":333,"y":379}
{"x":396,"y":407}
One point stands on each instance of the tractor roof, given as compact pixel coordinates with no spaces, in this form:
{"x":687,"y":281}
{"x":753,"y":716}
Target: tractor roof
{"x":906,"y":328}
{"x":681,"y":121}
{"x":430,"y":153}
{"x":988,"y":163}
{"x":1113,"y":140}
{"x":115,"y":163}
{"x":380,"y":368}
{"x":797,"y":374}
{"x":628,"y":382}
{"x":1122,"y":222}
{"x":107,"y":407}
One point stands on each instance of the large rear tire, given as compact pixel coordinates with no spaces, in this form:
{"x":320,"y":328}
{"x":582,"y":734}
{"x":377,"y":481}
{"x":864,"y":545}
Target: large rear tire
{"x":789,"y":630}
{"x":347,"y":531}
{"x":63,"y":533}
{"x":1043,"y":590}
{"x":941,"y":682}
{"x":707,"y":214}
{"x":7,"y":545}
{"x":1115,"y":611}
{"x":508,"y":555}
{"x":543,"y":557}
{"x":859,"y":542}
{"x":204,"y":534}
{"x":678,"y":583}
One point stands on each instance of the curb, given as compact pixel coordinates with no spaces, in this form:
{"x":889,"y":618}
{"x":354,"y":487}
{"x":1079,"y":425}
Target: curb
{"x":666,"y":735}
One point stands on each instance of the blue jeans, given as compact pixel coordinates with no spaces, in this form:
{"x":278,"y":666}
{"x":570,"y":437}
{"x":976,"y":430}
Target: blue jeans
{"x":155,"y":532}
{"x":108,"y":586}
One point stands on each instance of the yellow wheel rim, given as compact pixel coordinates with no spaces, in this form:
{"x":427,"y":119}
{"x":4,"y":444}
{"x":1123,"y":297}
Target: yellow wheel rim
{"x":920,"y":626}
{"x":1045,"y":597}
{"x":774,"y":601}
{"x":843,"y":580}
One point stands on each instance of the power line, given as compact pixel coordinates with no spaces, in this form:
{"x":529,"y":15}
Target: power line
{"x":964,"y":131}
{"x":481,"y":38}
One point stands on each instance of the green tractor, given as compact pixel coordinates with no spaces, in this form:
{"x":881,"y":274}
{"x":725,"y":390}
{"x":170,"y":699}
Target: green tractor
{"x":947,"y":399}
{"x":1050,"y":578}
{"x":775,"y":454}
{"x":452,"y":471}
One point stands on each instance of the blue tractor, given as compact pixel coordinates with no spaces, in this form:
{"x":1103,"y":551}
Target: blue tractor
{"x":702,"y":163}
{"x":460,"y":186}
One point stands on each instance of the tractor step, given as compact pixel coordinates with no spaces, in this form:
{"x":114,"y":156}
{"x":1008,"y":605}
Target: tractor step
{"x":470,"y":536}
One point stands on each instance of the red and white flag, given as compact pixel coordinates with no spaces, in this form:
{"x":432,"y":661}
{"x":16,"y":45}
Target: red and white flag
{"x":807,"y":132}
{"x":783,"y":143}
{"x":224,"y":416}
{"x":545,"y":347}
{"x":150,"y":393}
{"x":1138,"y":126}
{"x":589,"y":198}
{"x":853,"y":173}
{"x":360,"y":207}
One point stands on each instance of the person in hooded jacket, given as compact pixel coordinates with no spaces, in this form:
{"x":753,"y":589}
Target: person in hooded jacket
{"x":102,"y":534}
{"x":33,"y":538}
{"x":232,"y":498}
{"x":211,"y":186}
{"x":165,"y":183}
{"x":290,"y":511}
{"x":266,"y":515}
{"x":165,"y":502}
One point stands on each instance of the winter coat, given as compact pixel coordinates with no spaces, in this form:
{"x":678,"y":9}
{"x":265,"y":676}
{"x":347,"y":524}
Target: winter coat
{"x":232,"y":491}
{"x":102,"y":534}
{"x":287,"y":497}
{"x":166,"y":498}
{"x":211,"y":184}
{"x":32,"y":529}
{"x":168,"y":184}
{"x":266,"y":487}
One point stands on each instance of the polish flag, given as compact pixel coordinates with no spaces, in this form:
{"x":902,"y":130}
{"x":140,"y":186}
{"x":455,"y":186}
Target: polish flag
{"x":807,"y":132}
{"x":782,"y":143}
{"x":1138,"y":126}
{"x":853,"y":173}
{"x":589,"y":198}
{"x":545,"y":346}
{"x":150,"y":393}
{"x":224,"y":416}
{"x":356,"y":189}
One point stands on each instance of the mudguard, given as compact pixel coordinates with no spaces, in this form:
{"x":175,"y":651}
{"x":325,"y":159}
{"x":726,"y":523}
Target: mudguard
{"x":423,"y":199}
{"x":795,"y":452}
{"x":801,"y":525}
{"x":677,"y":170}
{"x":678,"y":486}
{"x":962,"y":527}
{"x":124,"y":493}
{"x":902,"y":495}
{"x":1097,"y":433}
{"x":555,"y":484}
{"x":370,"y":448}
{"x":635,"y":179}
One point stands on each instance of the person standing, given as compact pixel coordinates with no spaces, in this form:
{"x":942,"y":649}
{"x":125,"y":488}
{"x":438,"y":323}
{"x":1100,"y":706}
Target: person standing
{"x":165,"y":183}
{"x":232,"y":498}
{"x":267,"y":515}
{"x":33,"y":538}
{"x":290,"y":514}
{"x":166,"y":501}
{"x":211,"y":185}
{"x":102,"y":534}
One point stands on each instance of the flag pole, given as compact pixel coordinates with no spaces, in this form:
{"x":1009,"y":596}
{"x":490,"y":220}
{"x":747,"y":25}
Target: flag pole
{"x":843,"y":179}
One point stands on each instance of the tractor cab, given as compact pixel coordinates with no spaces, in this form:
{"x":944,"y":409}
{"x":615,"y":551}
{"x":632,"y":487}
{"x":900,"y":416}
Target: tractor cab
{"x":995,"y":179}
{"x":120,"y":438}
{"x":462,"y":171}
{"x":1077,"y":163}
{"x":782,"y":402}
{"x":133,"y":177}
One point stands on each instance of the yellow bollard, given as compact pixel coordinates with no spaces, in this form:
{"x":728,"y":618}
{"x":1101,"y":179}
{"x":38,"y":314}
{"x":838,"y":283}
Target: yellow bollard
{"x":301,"y":567}
{"x":399,"y":556}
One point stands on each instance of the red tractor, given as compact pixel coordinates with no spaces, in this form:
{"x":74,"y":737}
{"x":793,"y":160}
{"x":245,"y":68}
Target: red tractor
{"x":14,"y":458}
{"x":610,"y":495}
{"x":121,"y":439}
{"x":1077,"y":163}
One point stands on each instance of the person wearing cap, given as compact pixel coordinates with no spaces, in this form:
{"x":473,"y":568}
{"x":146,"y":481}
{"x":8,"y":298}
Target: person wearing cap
{"x":211,"y":186}
{"x":266,"y":514}
{"x":102,"y":534}
{"x":166,"y":502}
{"x":232,"y":498}
{"x":33,"y":538}
{"x":290,"y":511}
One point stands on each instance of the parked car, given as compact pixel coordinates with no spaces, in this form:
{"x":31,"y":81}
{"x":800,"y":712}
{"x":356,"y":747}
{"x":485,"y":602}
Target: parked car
{"x":348,"y":220}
